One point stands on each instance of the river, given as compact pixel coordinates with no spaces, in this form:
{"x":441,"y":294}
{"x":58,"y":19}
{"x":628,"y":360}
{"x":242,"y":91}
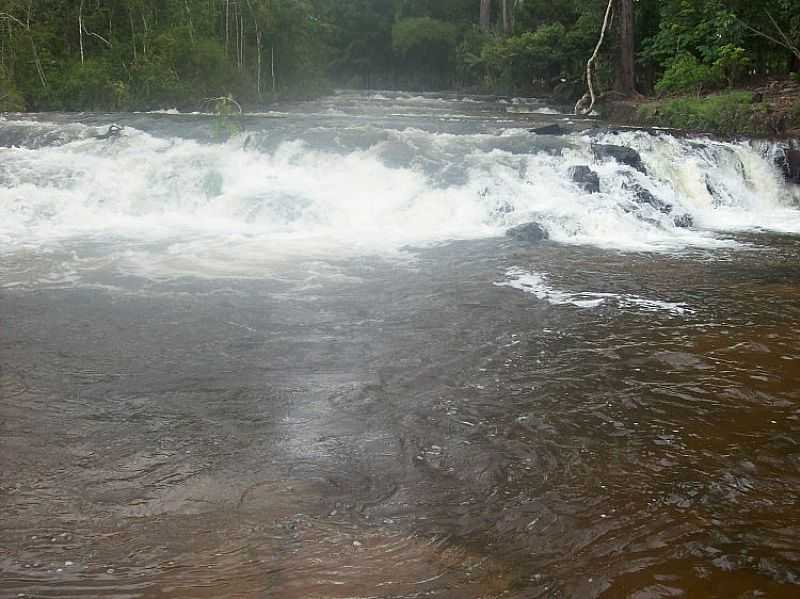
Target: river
{"x":307,"y":362}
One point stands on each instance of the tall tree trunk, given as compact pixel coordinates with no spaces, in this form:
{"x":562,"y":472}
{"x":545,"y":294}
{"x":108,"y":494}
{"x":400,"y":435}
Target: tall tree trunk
{"x":508,"y":17}
{"x":486,"y":15}
{"x":133,"y":33}
{"x":626,"y":75}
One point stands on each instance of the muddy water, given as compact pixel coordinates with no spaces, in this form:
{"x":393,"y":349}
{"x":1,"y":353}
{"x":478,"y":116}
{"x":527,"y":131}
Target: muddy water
{"x":408,"y":430}
{"x":306,"y":363}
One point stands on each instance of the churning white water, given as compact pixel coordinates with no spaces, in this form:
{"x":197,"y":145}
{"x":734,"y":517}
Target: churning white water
{"x":356,"y":186}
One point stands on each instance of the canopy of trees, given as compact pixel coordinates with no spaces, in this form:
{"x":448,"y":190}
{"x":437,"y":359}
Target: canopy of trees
{"x":141,"y":54}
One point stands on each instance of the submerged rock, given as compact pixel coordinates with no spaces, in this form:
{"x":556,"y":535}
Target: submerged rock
{"x":621,"y":154}
{"x":586,"y":178}
{"x":555,"y":129}
{"x":529,"y":233}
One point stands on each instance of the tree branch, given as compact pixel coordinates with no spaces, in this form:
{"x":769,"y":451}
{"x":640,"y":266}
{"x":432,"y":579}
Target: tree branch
{"x":783,"y":44}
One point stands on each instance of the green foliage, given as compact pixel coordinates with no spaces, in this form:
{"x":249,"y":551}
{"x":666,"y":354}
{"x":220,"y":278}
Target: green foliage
{"x":686,"y":74}
{"x":794,"y":116}
{"x":429,"y":45}
{"x":89,"y":86}
{"x":732,"y":62}
{"x":146,"y":54}
{"x":728,"y":113}
{"x":10,"y":99}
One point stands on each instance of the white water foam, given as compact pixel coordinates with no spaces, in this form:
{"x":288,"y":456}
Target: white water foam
{"x":447,"y":187}
{"x":536,"y":284}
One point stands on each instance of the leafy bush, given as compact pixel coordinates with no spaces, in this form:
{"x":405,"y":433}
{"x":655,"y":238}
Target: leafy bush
{"x":686,"y":73}
{"x":89,"y":86}
{"x":10,"y":99}
{"x":423,"y":34}
{"x":514,"y":61}
{"x":429,"y":45}
{"x":732,"y":63}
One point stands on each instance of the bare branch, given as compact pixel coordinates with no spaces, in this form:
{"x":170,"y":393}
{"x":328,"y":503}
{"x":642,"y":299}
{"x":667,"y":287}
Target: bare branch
{"x":783,"y":44}
{"x":5,"y":15}
{"x":98,"y":36}
{"x":789,"y":43}
{"x":592,"y":60}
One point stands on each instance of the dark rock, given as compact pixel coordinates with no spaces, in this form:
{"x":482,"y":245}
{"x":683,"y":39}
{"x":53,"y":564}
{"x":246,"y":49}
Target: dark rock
{"x":792,"y":161}
{"x":549,"y":130}
{"x":642,"y":196}
{"x":621,"y":154}
{"x":684,"y":221}
{"x":758,"y":97}
{"x":586,"y":178}
{"x":568,"y":92}
{"x":529,"y":233}
{"x":504,"y":208}
{"x":553,"y":151}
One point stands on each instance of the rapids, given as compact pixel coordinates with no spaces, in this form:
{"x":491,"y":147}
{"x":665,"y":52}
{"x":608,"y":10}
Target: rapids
{"x":307,"y":362}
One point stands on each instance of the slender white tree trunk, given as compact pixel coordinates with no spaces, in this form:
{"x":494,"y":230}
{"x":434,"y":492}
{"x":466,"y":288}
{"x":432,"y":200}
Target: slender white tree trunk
{"x":80,"y":29}
{"x":258,"y":70}
{"x":274,"y":84}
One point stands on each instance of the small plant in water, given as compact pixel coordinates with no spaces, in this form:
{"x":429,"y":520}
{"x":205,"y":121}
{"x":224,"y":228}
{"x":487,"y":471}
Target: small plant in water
{"x":228,"y":121}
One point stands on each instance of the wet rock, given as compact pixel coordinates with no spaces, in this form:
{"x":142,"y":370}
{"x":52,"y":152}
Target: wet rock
{"x":555,"y":129}
{"x":684,"y":221}
{"x":621,"y":154}
{"x":113,"y":131}
{"x":586,"y":178}
{"x":792,"y":169}
{"x":643,"y":197}
{"x":529,"y":233}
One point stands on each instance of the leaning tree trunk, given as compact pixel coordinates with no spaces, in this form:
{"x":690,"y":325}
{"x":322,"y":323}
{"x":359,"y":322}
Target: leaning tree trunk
{"x":486,"y":15}
{"x":626,"y":77}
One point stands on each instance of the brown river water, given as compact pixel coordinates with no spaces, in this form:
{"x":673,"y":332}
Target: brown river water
{"x":466,"y":416}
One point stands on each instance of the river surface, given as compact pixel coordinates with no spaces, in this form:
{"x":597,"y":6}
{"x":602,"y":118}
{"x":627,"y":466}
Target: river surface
{"x":306,"y":362}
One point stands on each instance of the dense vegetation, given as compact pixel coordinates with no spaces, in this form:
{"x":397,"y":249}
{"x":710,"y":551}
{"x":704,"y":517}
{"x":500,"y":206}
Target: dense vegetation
{"x":141,"y":54}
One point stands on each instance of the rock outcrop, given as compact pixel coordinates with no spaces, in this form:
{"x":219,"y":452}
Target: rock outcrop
{"x":528,"y":233}
{"x":621,"y":154}
{"x":586,"y":178}
{"x":792,"y":169}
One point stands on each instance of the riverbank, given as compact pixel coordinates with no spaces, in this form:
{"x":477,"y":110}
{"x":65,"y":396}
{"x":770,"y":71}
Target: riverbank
{"x":770,"y":111}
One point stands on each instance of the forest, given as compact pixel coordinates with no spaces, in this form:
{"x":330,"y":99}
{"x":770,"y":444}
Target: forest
{"x":116,"y":55}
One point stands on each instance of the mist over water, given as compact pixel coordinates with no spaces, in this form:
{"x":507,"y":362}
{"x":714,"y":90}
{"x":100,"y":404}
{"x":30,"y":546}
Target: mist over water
{"x":306,"y":361}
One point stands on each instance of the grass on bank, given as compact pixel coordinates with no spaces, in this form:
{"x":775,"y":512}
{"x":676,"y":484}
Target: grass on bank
{"x":728,"y":113}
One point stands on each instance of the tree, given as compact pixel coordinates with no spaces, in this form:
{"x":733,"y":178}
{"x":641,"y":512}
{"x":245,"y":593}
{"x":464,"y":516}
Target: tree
{"x":626,"y":77}
{"x":486,"y":15}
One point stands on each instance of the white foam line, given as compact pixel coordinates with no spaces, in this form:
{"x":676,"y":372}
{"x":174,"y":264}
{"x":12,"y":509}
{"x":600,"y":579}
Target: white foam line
{"x":536,"y":284}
